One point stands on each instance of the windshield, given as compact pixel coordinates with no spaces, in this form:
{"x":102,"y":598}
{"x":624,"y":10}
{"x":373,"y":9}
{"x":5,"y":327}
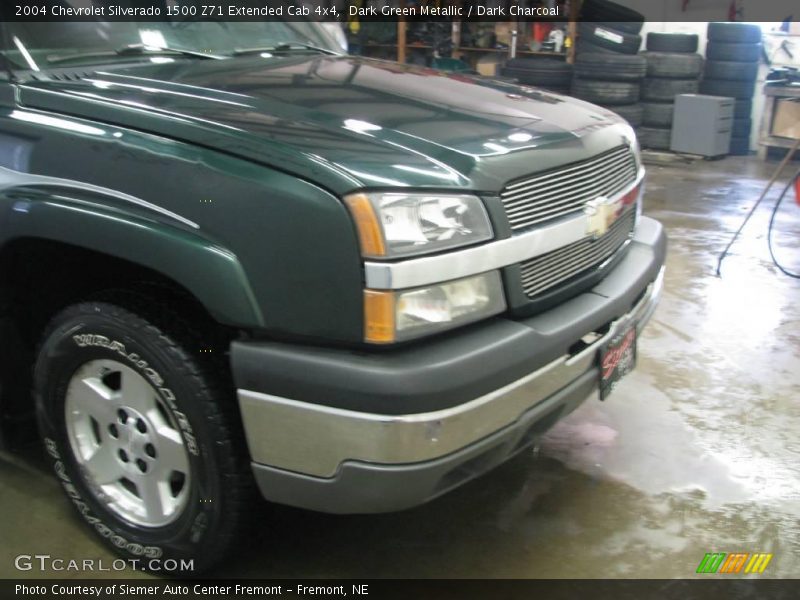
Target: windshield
{"x":39,"y":46}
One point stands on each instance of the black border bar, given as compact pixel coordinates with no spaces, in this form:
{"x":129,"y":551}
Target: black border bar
{"x":406,"y":589}
{"x":385,"y":10}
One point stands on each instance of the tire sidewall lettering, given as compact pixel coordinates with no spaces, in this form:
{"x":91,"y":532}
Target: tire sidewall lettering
{"x":85,"y":511}
{"x":190,"y":528}
{"x":83,"y":340}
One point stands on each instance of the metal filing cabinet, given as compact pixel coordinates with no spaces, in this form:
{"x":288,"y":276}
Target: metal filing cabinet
{"x":702,"y":124}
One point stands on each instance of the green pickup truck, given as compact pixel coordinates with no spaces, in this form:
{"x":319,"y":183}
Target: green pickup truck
{"x":235,"y":260}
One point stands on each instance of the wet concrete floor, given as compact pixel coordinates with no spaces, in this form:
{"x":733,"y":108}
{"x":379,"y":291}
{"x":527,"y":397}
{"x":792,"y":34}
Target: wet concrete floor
{"x":696,"y":451}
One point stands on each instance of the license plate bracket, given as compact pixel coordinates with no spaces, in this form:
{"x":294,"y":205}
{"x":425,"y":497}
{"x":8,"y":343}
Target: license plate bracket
{"x":616,"y":359}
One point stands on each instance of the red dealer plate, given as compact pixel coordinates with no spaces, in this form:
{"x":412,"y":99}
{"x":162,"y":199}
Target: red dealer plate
{"x":617,"y":359}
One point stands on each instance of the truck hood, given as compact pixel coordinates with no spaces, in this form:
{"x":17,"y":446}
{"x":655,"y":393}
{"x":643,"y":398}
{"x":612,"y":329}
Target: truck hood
{"x":343,"y":122}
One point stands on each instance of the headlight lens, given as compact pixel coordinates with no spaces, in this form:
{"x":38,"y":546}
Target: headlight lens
{"x":392,"y":225}
{"x":407,"y":314}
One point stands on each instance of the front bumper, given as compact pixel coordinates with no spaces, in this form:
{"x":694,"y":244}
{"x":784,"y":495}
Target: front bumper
{"x":338,"y":431}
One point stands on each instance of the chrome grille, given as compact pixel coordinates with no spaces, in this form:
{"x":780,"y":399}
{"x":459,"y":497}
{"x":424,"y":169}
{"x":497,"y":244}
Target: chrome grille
{"x":543,"y":272}
{"x":559,"y":192}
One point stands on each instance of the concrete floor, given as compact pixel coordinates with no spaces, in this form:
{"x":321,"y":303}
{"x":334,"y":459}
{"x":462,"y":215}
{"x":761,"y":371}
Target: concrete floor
{"x":696,"y":451}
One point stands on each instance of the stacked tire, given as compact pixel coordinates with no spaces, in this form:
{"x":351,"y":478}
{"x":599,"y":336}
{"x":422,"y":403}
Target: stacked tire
{"x":607,"y":69}
{"x":673,"y":68}
{"x":732,"y":57}
{"x":547,"y":73}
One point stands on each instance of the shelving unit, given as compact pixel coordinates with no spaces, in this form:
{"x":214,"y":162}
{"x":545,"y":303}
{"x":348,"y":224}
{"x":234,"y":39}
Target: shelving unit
{"x":403,"y":48}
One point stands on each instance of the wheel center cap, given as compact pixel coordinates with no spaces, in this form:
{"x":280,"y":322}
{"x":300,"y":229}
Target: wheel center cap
{"x":135,"y":449}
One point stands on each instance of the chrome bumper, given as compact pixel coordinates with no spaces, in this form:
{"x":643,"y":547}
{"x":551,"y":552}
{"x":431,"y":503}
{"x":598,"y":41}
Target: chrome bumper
{"x":315,"y":440}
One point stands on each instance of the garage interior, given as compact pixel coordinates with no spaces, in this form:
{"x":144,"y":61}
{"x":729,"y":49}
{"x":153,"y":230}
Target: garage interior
{"x":696,"y":451}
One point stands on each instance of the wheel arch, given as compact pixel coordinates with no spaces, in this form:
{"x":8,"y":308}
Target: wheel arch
{"x":61,"y":251}
{"x":207,"y":270}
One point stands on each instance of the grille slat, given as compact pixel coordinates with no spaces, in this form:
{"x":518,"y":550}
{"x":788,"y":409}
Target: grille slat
{"x":525,"y":217}
{"x":597,"y":247}
{"x":574,"y":188}
{"x":577,"y":262}
{"x":548,"y":270}
{"x":575,"y":202}
{"x":569,"y":168}
{"x":557,"y":269}
{"x":551,"y":195}
{"x":574,"y":252}
{"x":545,"y":281}
{"x":621,"y":162}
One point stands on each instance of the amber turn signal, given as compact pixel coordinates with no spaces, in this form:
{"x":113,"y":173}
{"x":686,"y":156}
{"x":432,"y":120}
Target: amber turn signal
{"x":369,"y":229}
{"x":379,"y":315}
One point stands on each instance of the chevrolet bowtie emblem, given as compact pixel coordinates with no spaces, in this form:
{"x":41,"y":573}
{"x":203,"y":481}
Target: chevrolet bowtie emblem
{"x":601,"y":214}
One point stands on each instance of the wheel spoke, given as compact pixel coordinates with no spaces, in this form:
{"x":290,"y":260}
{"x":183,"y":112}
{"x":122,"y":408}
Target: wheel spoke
{"x":155,"y":497}
{"x":91,"y":397}
{"x":137,"y":393}
{"x":127,"y":442}
{"x":103,"y":465}
{"x":171,"y":452}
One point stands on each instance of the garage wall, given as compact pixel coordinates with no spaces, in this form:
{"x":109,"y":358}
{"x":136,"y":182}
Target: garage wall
{"x":668,"y":17}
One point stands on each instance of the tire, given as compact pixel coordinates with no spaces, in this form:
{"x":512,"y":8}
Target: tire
{"x":665,"y":90}
{"x":740,"y":146}
{"x":539,"y":64}
{"x":657,"y":114}
{"x":741,"y":127}
{"x":609,"y":38}
{"x":732,"y":71}
{"x":538,"y":78}
{"x":733,"y":52}
{"x":558,"y":89}
{"x":742,"y":109}
{"x":672,"y":65}
{"x":654,"y":138}
{"x":620,"y":17}
{"x":539,"y":72}
{"x":511,"y":76}
{"x":672,"y":42}
{"x":610,"y":67}
{"x":584,"y":47}
{"x":734,"y":32}
{"x":564,"y":91}
{"x":605,"y":93}
{"x":634,"y":28}
{"x":730,"y":89}
{"x":176,"y":423}
{"x":632,"y":113}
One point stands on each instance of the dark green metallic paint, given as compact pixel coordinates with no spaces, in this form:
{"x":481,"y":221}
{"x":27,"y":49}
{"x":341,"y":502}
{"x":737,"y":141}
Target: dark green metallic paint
{"x":256,"y":152}
{"x":59,"y":215}
{"x":265,"y":270}
{"x":342,"y":122}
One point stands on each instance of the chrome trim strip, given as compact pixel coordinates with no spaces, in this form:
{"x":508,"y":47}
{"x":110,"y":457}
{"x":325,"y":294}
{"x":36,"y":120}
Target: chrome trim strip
{"x":9,"y":177}
{"x":315,"y":439}
{"x":428,"y":270}
{"x":549,"y":270}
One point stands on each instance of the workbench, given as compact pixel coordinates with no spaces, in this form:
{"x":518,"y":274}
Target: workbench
{"x":766,"y":140}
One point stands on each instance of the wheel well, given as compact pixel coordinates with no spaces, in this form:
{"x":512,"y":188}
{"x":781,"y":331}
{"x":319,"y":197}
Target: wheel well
{"x":39,"y":278}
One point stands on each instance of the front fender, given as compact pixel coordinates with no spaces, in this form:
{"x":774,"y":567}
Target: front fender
{"x":140,"y":235}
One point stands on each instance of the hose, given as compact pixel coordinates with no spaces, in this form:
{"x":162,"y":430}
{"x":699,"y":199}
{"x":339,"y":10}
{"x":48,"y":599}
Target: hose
{"x":789,"y":186}
{"x":763,"y":195}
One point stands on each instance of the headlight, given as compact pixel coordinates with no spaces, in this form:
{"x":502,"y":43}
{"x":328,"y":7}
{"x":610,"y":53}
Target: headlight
{"x":406,"y":314}
{"x":392,"y":225}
